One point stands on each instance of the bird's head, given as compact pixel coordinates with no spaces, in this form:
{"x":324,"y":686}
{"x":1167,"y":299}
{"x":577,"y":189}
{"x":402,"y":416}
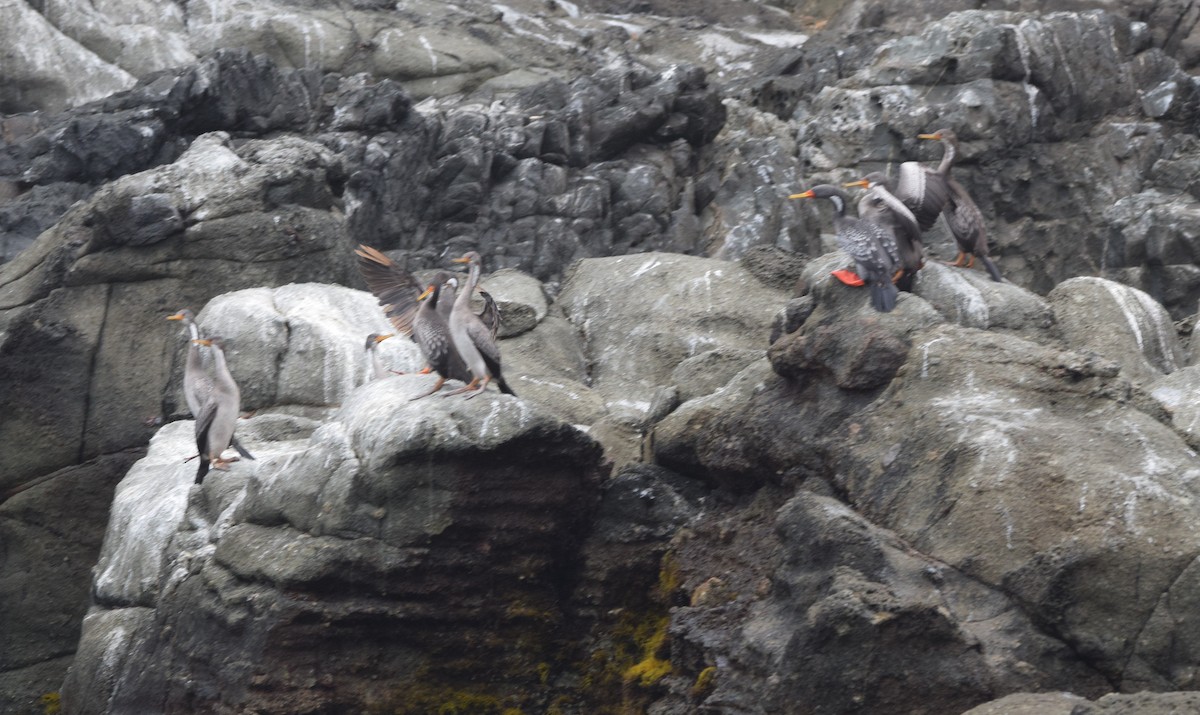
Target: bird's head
{"x":375,"y":338}
{"x":214,"y":342}
{"x":942,"y":135}
{"x":470,"y":258}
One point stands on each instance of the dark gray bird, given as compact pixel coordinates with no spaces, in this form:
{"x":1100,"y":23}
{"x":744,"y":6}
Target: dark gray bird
{"x":433,"y":336}
{"x":197,"y":385}
{"x":474,"y":340}
{"x":880,"y":206}
{"x":873,"y":248}
{"x":378,"y":371}
{"x":401,"y":296}
{"x":963,"y":217}
{"x":218,"y":415}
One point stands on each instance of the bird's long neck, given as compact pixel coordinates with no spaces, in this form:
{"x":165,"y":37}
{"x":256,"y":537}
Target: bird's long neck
{"x":221,"y":375}
{"x":195,"y":360}
{"x":839,"y":204}
{"x":464,"y":296}
{"x":947,"y":157}
{"x":430,"y":304}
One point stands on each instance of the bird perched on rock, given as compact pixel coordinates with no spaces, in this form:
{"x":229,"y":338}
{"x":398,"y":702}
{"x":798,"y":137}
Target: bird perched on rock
{"x":880,"y":206}
{"x":432,"y":335}
{"x":378,"y":371}
{"x":474,"y":340}
{"x":963,"y":217}
{"x":197,"y":385}
{"x":403,"y":298}
{"x":218,"y":414}
{"x":873,"y":249}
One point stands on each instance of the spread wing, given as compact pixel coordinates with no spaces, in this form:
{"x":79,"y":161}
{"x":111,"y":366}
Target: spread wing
{"x":395,"y":287}
{"x":923,"y":191}
{"x":490,"y":314}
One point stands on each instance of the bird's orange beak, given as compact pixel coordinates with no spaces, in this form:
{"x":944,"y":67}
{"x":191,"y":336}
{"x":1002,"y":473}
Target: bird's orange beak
{"x":381,"y":338}
{"x":806,"y":195}
{"x":460,"y":259}
{"x":934,"y":136}
{"x":861,"y":182}
{"x":425,"y":293}
{"x":203,"y":341}
{"x":177,"y":316}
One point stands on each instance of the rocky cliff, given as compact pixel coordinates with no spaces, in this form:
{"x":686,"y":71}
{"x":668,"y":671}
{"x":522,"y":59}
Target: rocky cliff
{"x":726,"y":485}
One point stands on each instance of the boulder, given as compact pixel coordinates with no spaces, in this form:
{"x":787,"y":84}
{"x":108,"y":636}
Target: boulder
{"x":519,"y":297}
{"x":274,"y":337}
{"x":412,"y":523}
{"x":1142,"y":338}
{"x":1179,"y":395}
{"x":51,"y":533}
{"x":641,"y":315}
{"x":36,"y":80}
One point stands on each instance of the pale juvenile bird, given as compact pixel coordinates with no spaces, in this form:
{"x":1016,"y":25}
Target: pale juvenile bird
{"x":218,"y":415}
{"x":474,"y":340}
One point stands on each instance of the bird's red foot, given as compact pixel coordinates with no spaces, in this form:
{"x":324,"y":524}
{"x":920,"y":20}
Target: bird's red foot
{"x":850,"y":278}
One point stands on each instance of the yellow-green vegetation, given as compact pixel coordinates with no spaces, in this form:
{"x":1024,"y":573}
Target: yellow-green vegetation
{"x":631,"y":656}
{"x":653,"y":667}
{"x":704,"y":682}
{"x":668,"y":577}
{"x":51,"y":703}
{"x":543,"y":670}
{"x":447,"y":701}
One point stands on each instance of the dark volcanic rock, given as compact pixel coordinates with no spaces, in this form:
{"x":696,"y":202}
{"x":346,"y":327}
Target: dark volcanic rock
{"x":404,"y":553}
{"x":977,"y":467}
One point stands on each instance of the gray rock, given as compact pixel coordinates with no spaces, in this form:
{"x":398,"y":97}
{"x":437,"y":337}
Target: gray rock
{"x":1031,"y":704}
{"x":380,"y":511}
{"x":108,"y":344}
{"x":971,"y":299}
{"x":707,"y":372}
{"x":274,"y":337}
{"x":1151,"y":236}
{"x":36,"y":80}
{"x":520,"y":298}
{"x":632,"y":342}
{"x":1119,"y":322}
{"x":51,"y":532}
{"x":1179,"y":394}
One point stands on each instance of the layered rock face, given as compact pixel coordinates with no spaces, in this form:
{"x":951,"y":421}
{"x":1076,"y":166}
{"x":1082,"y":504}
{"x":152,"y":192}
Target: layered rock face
{"x":986,"y":492}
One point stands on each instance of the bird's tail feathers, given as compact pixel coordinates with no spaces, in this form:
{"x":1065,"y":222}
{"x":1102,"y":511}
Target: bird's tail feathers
{"x":883,"y":296}
{"x":233,"y":442}
{"x":992,"y":270}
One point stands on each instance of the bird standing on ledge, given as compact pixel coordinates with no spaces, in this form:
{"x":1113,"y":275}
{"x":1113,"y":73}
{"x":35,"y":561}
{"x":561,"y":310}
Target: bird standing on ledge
{"x":963,"y":217}
{"x":197,"y":385}
{"x":873,"y":249}
{"x":474,"y":340}
{"x":219,"y":413}
{"x":432,"y":335}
